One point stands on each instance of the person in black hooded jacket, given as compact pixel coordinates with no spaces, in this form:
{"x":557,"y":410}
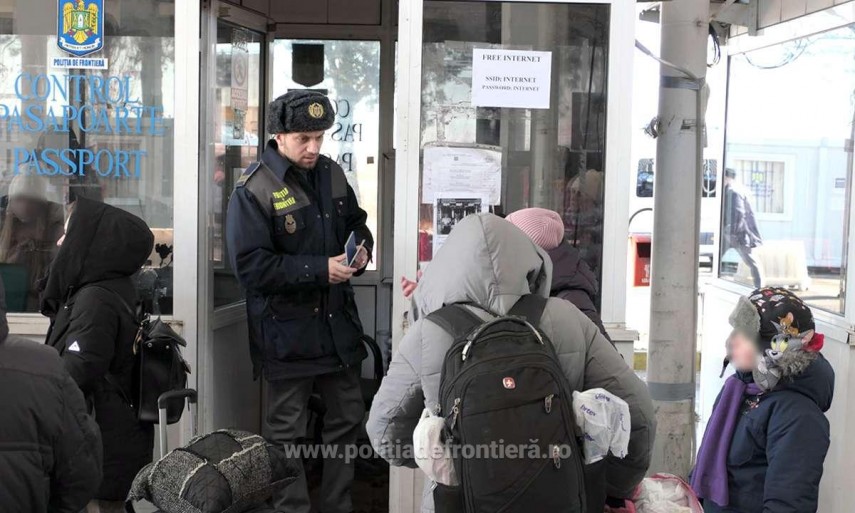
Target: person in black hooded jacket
{"x":572,"y":279}
{"x":86,"y":295}
{"x":50,"y":450}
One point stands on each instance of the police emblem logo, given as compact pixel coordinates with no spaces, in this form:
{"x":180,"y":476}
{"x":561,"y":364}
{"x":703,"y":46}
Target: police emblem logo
{"x":316,"y":110}
{"x":80,"y":26}
{"x":290,"y":224}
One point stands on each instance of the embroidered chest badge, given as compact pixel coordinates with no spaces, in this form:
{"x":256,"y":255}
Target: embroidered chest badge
{"x":290,"y":224}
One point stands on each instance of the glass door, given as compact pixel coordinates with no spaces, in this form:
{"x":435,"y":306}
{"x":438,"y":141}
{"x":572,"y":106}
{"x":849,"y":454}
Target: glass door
{"x":513,"y":115}
{"x":235,"y":133}
{"x":348,"y":72}
{"x":518,"y":104}
{"x":232,"y":101}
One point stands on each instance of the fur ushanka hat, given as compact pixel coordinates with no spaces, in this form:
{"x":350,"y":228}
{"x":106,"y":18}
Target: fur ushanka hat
{"x":300,"y":110}
{"x":784,"y":331}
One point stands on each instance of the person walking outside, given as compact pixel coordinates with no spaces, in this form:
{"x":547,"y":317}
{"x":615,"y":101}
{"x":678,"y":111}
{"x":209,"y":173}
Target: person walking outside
{"x":287,"y":224}
{"x":87,"y":295}
{"x":740,"y":226}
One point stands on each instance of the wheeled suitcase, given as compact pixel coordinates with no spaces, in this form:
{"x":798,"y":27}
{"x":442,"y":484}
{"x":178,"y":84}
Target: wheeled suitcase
{"x":226,"y":471}
{"x":163,"y":403}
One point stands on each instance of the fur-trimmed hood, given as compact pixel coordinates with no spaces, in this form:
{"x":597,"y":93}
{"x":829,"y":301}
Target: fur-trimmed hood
{"x":809,"y":374}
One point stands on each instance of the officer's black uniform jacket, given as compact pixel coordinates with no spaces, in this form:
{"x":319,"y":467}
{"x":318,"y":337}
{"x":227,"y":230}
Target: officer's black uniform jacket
{"x":282,"y":228}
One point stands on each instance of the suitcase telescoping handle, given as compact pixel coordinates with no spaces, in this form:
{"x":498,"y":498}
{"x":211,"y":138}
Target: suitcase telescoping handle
{"x":165,"y":398}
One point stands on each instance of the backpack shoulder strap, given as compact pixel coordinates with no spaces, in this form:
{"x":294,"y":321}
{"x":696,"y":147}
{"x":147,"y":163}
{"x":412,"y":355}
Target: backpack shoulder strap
{"x":530,"y":307}
{"x":125,"y":306}
{"x":108,"y":377}
{"x":457,"y":320}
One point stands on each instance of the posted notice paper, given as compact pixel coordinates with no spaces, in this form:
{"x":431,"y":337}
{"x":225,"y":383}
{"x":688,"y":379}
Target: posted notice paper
{"x":511,"y":78}
{"x":449,"y":209}
{"x":478,"y":170}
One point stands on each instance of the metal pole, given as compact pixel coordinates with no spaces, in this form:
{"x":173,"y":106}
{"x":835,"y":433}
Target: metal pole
{"x":676,"y":212}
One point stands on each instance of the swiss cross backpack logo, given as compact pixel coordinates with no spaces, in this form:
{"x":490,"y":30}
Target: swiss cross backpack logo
{"x":509,"y":383}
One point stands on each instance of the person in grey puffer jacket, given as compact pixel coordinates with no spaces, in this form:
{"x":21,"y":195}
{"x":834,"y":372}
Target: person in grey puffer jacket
{"x":501,"y":265}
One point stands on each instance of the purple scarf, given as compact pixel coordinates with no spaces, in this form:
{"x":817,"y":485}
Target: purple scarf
{"x":709,"y":479}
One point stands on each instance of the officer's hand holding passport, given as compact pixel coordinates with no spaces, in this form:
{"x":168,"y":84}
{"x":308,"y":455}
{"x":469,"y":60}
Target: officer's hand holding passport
{"x":339,"y":270}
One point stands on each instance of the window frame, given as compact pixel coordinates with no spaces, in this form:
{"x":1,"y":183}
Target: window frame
{"x":790,"y":170}
{"x":827,"y":20}
{"x":35,"y":325}
{"x":617,"y":156}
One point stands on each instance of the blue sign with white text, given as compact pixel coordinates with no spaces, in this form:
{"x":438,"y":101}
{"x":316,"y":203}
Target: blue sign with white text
{"x":80,"y":26}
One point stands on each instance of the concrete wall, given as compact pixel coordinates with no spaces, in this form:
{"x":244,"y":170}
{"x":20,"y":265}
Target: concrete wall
{"x":836,"y":491}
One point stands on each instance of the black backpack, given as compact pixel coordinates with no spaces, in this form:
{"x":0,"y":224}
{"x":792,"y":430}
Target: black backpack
{"x":161,"y":369}
{"x":508,"y":416}
{"x":159,"y":366}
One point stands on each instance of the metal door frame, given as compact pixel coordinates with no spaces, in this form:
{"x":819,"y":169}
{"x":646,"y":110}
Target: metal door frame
{"x":186,"y":175}
{"x":387,"y":34}
{"x":618,"y":147}
{"x":208,"y":12}
{"x":209,"y":317}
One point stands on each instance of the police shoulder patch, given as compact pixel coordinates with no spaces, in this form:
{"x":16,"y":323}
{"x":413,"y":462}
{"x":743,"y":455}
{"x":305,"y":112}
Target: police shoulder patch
{"x":248,"y":174}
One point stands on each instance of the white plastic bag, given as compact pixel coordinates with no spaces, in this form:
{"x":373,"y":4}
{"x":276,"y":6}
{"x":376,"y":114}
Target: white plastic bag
{"x":604,"y":420}
{"x":432,"y":455}
{"x":666,"y":493}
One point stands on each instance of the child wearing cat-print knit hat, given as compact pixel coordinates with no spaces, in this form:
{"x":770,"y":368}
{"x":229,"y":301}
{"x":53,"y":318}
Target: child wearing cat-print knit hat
{"x":767,"y":437}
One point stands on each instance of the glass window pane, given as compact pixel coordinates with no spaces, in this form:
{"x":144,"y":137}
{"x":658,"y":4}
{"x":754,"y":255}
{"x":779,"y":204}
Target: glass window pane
{"x":100,"y":133}
{"x":236,"y":134}
{"x":349,"y":73}
{"x":550,"y":156}
{"x":646,"y":169}
{"x":788,"y":170}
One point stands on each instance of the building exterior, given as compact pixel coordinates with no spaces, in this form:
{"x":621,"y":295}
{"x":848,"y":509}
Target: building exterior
{"x":157,"y":106}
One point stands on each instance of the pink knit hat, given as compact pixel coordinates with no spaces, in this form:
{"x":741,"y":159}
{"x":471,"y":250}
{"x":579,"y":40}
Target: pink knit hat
{"x":544,"y":227}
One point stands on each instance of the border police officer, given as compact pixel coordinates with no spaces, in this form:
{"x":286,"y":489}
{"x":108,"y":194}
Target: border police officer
{"x":288,"y":220}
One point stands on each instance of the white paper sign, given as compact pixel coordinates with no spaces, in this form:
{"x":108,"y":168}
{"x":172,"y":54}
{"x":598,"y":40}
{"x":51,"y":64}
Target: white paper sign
{"x":477,"y":170}
{"x":449,"y":209}
{"x":240,"y":70}
{"x":511,"y":78}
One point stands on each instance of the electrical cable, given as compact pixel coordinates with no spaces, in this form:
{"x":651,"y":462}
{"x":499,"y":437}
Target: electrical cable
{"x":716,"y":47}
{"x":801,"y":45}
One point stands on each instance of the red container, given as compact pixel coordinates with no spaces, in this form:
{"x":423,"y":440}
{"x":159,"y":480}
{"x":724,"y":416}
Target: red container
{"x":641,"y":260}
